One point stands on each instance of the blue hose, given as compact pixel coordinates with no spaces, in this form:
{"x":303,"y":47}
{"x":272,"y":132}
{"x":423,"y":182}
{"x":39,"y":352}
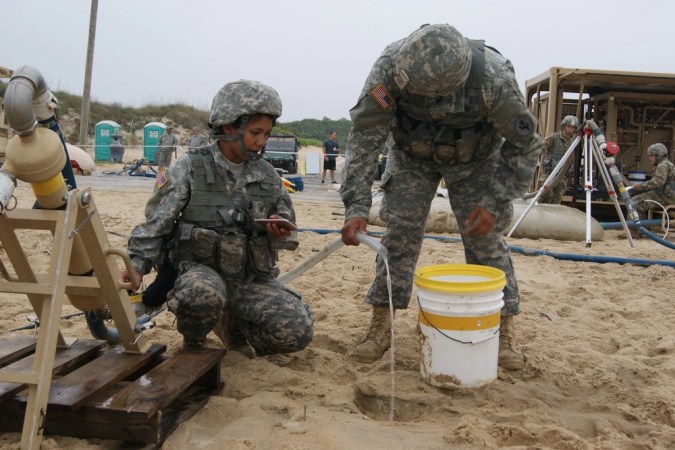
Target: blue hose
{"x":630,"y":223}
{"x":99,"y":330}
{"x":640,"y":225}
{"x":535,"y":252}
{"x":655,"y":238}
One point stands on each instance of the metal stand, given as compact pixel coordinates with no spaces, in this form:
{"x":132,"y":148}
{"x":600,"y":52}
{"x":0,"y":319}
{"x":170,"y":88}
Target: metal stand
{"x":591,"y":150}
{"x":46,"y":292}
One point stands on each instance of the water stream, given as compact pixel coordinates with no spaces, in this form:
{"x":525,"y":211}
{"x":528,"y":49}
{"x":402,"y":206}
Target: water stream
{"x":392,"y":360}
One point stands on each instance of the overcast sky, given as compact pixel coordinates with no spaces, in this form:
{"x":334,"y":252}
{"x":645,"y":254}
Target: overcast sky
{"x":315,"y":53}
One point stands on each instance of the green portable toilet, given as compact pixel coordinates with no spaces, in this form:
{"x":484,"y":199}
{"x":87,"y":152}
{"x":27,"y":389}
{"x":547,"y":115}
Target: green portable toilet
{"x":103,"y":132}
{"x":151,"y":134}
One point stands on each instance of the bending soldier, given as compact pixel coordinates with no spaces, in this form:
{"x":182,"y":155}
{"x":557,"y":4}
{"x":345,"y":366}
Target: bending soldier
{"x":456,"y":113}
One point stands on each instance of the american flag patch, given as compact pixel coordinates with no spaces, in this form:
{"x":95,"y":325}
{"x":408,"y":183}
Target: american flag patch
{"x":161,"y":178}
{"x":382,"y":97}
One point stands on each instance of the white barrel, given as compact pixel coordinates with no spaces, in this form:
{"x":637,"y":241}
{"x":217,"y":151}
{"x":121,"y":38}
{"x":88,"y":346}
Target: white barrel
{"x":460,"y":307}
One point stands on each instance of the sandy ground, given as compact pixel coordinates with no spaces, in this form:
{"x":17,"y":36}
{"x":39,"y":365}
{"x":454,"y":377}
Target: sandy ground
{"x":599,"y":342}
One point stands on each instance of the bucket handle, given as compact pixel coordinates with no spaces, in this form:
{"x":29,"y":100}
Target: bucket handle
{"x":483,"y":339}
{"x":474,"y":342}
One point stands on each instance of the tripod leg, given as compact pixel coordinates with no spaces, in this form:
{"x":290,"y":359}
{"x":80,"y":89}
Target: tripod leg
{"x":547,"y":182}
{"x":588,"y":185}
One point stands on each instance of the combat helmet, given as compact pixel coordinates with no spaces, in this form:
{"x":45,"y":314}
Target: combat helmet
{"x":433,"y":61}
{"x":570,"y":120}
{"x":657,"y":149}
{"x":243,"y":98}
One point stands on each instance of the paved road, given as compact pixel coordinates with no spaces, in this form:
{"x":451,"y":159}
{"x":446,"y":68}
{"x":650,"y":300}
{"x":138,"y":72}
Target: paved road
{"x":313,"y":192}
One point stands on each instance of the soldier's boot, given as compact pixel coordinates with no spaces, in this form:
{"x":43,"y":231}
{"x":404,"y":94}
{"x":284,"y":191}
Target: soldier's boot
{"x":226,"y":330}
{"x":377,"y":339}
{"x":510,"y":357}
{"x":192,"y":343}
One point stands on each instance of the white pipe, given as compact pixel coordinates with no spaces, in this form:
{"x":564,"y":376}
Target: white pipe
{"x":303,"y":267}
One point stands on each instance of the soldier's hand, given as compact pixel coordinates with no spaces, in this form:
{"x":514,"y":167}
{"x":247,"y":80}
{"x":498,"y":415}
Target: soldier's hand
{"x":479,"y":222}
{"x":276,"y":231}
{"x":350,"y":228}
{"x":134,"y":279}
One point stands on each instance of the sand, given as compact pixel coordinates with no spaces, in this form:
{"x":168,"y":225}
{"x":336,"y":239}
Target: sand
{"x":599,"y":342}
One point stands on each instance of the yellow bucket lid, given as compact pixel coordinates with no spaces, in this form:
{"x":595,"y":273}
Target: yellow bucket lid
{"x":428,"y":278}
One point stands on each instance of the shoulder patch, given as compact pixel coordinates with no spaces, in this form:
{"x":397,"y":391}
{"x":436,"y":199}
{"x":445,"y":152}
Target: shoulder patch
{"x":162,"y":178}
{"x":524,"y":125}
{"x":382,"y":97}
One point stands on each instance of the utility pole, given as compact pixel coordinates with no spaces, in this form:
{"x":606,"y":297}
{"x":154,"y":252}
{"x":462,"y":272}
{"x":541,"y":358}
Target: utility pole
{"x":84,"y":110}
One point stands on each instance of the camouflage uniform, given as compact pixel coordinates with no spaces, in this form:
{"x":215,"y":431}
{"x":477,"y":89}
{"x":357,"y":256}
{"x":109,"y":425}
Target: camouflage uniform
{"x":660,"y":188}
{"x":166,"y":145}
{"x":198,"y":141}
{"x":478,"y":136}
{"x":555,"y":146}
{"x":272,"y":318}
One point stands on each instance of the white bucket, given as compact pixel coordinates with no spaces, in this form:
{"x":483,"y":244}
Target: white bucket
{"x":459,"y":316}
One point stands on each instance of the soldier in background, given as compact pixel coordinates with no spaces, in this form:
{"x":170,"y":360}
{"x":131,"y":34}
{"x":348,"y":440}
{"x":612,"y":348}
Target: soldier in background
{"x":197,"y":139}
{"x":204,"y":210}
{"x":456,"y":113}
{"x":660,"y":187}
{"x":555,"y":146}
{"x":117,"y":148}
{"x":166,"y":145}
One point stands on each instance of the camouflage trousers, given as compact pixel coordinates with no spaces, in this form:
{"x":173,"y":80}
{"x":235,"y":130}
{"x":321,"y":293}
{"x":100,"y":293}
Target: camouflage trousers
{"x":272,"y":318}
{"x":643,"y":205}
{"x":554,"y":193}
{"x":164,"y":158}
{"x":409,"y":187}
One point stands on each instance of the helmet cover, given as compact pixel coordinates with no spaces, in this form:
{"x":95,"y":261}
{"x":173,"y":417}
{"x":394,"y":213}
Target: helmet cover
{"x":435,"y":60}
{"x":243,"y":98}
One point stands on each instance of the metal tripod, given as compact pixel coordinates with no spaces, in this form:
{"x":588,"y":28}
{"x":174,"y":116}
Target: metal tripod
{"x":591,"y":150}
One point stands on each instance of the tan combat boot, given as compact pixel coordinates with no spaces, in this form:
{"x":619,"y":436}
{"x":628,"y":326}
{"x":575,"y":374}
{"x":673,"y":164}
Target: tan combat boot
{"x":510,"y":357}
{"x":377,"y":339}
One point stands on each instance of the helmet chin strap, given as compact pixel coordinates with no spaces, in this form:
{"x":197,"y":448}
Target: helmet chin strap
{"x":244,"y":152}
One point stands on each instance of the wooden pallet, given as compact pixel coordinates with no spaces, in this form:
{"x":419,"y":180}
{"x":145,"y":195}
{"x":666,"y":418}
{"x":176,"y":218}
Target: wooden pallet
{"x":107,"y":393}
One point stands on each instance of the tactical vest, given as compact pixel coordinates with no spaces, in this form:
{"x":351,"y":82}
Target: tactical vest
{"x":557,"y":152}
{"x":455,"y":136}
{"x":214,"y":231}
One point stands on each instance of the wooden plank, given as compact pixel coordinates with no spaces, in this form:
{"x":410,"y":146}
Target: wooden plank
{"x":184,"y":382}
{"x":90,"y":422}
{"x":76,"y":388}
{"x":80,"y":424}
{"x":163,"y":384}
{"x":15,"y":347}
{"x":65,"y":360}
